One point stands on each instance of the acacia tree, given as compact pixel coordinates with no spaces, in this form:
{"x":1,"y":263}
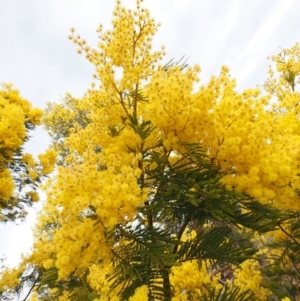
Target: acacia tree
{"x":161,"y":182}
{"x":19,"y":172}
{"x":284,"y":267}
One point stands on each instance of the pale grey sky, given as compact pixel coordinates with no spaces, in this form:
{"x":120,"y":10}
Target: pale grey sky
{"x":37,"y":57}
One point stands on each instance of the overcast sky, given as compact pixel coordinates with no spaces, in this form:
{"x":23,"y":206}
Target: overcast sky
{"x":37,"y":57}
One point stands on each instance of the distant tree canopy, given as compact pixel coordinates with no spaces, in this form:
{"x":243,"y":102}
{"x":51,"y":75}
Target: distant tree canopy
{"x":166,"y":188}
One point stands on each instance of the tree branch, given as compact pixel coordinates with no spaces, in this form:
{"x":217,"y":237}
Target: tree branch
{"x":288,"y":234}
{"x":179,"y":234}
{"x":29,"y":292}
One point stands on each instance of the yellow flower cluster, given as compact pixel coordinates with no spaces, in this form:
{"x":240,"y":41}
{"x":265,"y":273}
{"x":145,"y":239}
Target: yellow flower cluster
{"x":9,"y":278}
{"x":140,"y":294}
{"x":34,"y":296}
{"x":17,"y":118}
{"x":190,"y":282}
{"x":98,"y":278}
{"x":12,"y":128}
{"x":33,"y":195}
{"x":65,"y":297}
{"x":256,"y":147}
{"x":79,"y":189}
{"x":6,"y":184}
{"x":282,"y":84}
{"x":125,"y":50}
{"x":47,"y":161}
{"x":248,"y":277}
{"x":60,"y":120}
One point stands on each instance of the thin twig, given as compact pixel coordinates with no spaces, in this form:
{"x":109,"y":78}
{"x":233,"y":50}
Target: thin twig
{"x":288,"y":234}
{"x":34,"y":283}
{"x":181,"y":230}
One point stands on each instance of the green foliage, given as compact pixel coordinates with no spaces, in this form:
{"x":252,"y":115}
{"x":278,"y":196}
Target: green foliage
{"x":285,"y":260}
{"x":186,"y":194}
{"x":229,"y":294}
